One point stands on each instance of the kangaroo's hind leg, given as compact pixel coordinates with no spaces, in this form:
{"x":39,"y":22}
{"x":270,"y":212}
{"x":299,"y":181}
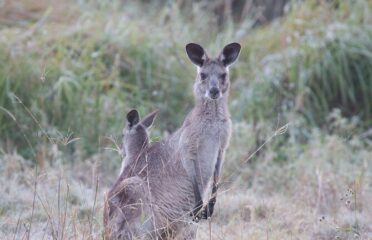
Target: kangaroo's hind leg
{"x":187,"y":232}
{"x":128,"y":212}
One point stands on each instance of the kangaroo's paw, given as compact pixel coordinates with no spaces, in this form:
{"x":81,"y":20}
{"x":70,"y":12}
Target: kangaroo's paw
{"x":197,"y":213}
{"x":207,"y":212}
{"x":196,"y":219}
{"x":197,"y":216}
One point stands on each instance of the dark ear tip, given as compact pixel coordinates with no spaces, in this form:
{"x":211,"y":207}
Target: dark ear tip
{"x":132,"y":112}
{"x":195,"y":52}
{"x":190,"y":46}
{"x":235,"y":45}
{"x":133,"y":116}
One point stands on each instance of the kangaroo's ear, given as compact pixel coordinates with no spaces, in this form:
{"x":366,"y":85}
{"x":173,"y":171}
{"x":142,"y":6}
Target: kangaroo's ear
{"x":132,"y":117}
{"x":149,"y":119}
{"x":196,"y":54}
{"x":229,"y":54}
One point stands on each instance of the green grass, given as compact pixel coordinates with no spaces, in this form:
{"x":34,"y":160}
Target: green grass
{"x":79,"y":75}
{"x":313,"y":61}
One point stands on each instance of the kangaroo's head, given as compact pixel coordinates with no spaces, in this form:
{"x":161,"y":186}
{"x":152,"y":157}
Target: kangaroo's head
{"x":212,"y":81}
{"x":135,"y":135}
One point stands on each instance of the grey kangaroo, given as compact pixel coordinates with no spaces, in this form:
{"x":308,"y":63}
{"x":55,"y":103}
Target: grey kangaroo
{"x":205,"y":133}
{"x":171,"y":178}
{"x":124,"y":202}
{"x":135,"y":136}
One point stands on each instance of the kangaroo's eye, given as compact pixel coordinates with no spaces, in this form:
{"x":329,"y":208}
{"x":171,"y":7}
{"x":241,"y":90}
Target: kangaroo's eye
{"x":203,"y":76}
{"x":223,"y":78}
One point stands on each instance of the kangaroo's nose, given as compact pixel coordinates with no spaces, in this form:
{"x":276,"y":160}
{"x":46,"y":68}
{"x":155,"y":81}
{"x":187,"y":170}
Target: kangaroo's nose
{"x":214,"y":92}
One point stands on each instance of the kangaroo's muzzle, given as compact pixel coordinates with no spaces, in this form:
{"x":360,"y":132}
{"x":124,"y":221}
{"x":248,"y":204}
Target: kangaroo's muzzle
{"x":214,"y":93}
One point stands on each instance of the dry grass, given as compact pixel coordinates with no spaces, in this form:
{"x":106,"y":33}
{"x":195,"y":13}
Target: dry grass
{"x":323,"y":194}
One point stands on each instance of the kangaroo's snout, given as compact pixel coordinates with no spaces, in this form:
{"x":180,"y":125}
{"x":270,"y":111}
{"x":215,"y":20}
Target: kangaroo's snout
{"x":214,"y":93}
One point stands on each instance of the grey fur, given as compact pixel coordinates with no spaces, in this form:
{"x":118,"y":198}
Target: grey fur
{"x":135,"y":136}
{"x":171,"y":178}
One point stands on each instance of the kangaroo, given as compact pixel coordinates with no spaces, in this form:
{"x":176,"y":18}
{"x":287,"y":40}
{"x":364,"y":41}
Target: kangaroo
{"x":206,"y":131}
{"x":170,"y":178}
{"x":124,"y":202}
{"x":135,"y":136}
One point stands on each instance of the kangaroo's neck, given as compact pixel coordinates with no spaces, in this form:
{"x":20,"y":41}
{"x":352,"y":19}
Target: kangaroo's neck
{"x":135,"y":148}
{"x":217,"y":109}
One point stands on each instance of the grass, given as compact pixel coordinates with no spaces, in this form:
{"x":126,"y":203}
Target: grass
{"x":315,"y":69}
{"x":70,"y":72}
{"x":70,"y":88}
{"x":305,"y":199}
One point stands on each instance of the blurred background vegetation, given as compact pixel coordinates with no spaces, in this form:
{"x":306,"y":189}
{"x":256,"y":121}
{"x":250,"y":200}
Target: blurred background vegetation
{"x":73,"y":69}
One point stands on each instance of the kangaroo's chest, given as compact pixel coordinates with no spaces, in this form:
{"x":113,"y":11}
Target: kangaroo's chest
{"x":216,"y":132}
{"x":203,"y":144}
{"x":207,"y":138}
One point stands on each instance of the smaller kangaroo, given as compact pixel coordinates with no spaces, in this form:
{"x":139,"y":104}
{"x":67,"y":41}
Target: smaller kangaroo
{"x":135,"y":136}
{"x":127,"y":203}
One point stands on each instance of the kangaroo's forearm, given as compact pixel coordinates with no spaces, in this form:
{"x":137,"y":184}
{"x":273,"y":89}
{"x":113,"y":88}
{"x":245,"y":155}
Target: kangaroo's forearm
{"x":217,"y":168}
{"x":216,"y":175}
{"x":198,"y":187}
{"x":198,"y":199}
{"x":197,"y":180}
